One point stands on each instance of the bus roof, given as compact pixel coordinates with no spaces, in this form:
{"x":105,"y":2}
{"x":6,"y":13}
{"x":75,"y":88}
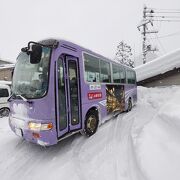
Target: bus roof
{"x":78,"y":47}
{"x":61,"y":41}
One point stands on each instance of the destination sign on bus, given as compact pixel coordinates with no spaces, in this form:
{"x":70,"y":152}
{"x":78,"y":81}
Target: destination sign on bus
{"x":94,"y":95}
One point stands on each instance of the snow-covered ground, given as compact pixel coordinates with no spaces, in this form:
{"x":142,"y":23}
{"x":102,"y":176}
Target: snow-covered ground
{"x":143,"y":144}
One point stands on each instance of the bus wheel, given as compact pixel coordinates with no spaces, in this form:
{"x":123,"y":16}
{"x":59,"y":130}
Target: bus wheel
{"x":129,"y":105}
{"x":91,"y":123}
{"x":4,"y":112}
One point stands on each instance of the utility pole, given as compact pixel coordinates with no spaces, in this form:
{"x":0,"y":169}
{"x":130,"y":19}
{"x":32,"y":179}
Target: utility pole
{"x":151,"y":15}
{"x":147,"y":19}
{"x":144,"y":35}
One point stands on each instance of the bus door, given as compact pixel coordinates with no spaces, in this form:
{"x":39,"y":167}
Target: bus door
{"x":67,"y":95}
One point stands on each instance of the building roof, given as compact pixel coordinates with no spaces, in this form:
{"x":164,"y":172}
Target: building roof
{"x":159,"y":66}
{"x":2,"y":61}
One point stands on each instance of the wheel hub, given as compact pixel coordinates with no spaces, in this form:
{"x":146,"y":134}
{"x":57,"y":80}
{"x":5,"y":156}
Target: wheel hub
{"x":91,"y":123}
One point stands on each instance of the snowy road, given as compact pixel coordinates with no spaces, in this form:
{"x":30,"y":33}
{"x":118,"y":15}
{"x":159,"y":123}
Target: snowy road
{"x":143,"y":144}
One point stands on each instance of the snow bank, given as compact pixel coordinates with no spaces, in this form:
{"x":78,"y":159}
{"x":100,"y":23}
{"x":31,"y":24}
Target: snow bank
{"x":158,"y":142}
{"x":159,"y":65}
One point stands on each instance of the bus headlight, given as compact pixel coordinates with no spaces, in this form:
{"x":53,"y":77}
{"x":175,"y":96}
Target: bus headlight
{"x":40,"y":127}
{"x":48,"y":126}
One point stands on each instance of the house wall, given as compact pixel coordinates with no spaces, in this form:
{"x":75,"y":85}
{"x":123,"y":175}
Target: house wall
{"x":6,"y":74}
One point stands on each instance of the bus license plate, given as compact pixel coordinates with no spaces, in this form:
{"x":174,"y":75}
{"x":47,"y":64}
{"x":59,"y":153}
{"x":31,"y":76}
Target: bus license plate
{"x":18,"y":132}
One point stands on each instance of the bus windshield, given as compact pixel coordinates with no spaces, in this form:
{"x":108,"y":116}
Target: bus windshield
{"x":31,"y":80}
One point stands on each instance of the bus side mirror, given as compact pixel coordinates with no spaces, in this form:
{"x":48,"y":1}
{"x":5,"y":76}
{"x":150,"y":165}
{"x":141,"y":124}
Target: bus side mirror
{"x":35,"y":54}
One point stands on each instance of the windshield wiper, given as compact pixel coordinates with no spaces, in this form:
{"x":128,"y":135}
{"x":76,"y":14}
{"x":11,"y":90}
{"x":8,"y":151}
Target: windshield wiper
{"x":14,"y":96}
{"x":23,"y":98}
{"x":11,"y":97}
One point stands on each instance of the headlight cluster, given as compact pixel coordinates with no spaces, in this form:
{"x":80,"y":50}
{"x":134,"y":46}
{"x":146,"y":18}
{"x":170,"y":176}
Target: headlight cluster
{"x":39,"y":126}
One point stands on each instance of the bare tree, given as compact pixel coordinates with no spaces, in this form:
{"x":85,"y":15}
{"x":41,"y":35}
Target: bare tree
{"x":124,"y":54}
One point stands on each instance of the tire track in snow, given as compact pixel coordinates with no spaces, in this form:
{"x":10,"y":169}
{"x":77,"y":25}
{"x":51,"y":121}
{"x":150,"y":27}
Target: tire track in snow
{"x":118,"y":144}
{"x":128,"y":166}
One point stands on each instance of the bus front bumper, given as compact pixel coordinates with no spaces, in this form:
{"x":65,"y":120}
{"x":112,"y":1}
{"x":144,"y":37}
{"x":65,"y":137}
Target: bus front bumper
{"x":42,"y":137}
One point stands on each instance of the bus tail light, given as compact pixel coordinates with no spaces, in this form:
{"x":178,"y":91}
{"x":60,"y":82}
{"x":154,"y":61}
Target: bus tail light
{"x":40,"y":127}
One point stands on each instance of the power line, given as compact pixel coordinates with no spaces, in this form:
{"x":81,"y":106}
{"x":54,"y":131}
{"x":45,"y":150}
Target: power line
{"x":169,"y":35}
{"x":168,"y":12}
{"x":151,"y":40}
{"x":166,"y":20}
{"x":160,"y":43}
{"x":154,"y":40}
{"x":150,"y":16}
{"x":163,"y":16}
{"x":164,"y":9}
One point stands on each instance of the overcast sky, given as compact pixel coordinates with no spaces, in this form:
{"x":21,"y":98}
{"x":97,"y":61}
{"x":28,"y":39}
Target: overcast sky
{"x":96,"y":24}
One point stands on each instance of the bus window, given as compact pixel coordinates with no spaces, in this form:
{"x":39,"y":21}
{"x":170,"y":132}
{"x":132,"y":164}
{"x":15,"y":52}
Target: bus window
{"x":105,"y":75}
{"x":116,"y":75}
{"x":131,"y":77}
{"x":73,"y":85}
{"x":31,"y":80}
{"x":128,"y":76}
{"x":91,"y":68}
{"x":122,"y":75}
{"x":62,"y":96}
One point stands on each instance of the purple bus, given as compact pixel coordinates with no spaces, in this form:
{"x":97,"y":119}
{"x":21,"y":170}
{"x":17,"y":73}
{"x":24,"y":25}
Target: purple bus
{"x":60,"y":88}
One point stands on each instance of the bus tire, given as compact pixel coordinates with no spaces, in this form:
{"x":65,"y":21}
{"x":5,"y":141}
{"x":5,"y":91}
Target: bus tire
{"x":91,"y":123}
{"x":129,"y":105}
{"x":4,"y":112}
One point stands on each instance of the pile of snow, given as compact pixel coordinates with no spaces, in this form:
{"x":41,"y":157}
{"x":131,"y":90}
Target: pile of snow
{"x":158,"y":143}
{"x":5,"y":82}
{"x":5,"y":66}
{"x":158,"y":66}
{"x":143,"y":144}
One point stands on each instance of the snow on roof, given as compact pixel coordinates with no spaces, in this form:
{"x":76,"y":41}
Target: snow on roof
{"x":5,"y":82}
{"x":159,"y":65}
{"x":5,"y":61}
{"x":4,"y":66}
